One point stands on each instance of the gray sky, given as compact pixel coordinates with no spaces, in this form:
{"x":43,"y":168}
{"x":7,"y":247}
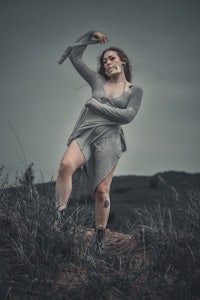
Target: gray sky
{"x":42,"y":99}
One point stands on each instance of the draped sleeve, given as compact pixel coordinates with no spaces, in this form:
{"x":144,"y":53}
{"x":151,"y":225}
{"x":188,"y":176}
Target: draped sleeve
{"x":75,"y":54}
{"x":119,"y":115}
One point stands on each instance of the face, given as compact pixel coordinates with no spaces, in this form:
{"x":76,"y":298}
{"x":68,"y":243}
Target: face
{"x":112,"y":63}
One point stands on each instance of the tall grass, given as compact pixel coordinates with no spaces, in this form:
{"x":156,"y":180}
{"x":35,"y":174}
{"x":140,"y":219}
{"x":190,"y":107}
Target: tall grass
{"x":37,"y":262}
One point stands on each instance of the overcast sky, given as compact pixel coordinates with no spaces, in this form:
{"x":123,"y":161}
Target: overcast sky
{"x":42,"y":99}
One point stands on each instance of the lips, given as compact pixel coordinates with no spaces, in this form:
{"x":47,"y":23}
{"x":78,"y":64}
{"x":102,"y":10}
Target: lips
{"x":111,"y":68}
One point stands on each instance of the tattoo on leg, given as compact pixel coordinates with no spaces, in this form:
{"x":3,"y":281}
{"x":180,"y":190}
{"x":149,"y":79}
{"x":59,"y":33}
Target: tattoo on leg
{"x":106,"y":203}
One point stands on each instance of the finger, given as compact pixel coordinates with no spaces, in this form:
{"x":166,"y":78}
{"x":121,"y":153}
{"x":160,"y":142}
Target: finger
{"x":96,"y":34}
{"x":101,"y":39}
{"x":105,"y":39}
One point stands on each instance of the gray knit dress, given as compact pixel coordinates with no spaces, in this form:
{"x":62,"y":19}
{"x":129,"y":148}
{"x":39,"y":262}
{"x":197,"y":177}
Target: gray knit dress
{"x":98,"y":130}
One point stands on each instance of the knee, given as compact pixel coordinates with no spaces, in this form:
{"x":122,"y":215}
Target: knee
{"x":65,"y":169}
{"x":101,"y":193}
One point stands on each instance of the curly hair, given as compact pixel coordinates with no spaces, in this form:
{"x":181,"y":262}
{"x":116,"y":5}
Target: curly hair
{"x":123,"y":57}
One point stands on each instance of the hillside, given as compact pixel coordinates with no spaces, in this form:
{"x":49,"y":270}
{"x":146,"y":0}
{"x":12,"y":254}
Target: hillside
{"x":153,"y":228}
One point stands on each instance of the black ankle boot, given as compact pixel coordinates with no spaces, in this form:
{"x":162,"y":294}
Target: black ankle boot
{"x":60,"y":219}
{"x":99,"y":241}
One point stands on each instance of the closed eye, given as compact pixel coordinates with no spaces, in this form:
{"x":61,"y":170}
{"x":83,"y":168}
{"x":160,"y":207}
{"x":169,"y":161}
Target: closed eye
{"x":110,"y":57}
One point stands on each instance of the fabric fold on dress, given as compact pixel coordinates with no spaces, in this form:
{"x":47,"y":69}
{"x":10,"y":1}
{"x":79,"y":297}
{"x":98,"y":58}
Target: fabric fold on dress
{"x":98,"y":130}
{"x":82,"y":41}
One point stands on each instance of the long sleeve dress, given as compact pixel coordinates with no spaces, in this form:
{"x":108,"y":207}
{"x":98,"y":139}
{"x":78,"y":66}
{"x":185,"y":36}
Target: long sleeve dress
{"x":98,"y":130}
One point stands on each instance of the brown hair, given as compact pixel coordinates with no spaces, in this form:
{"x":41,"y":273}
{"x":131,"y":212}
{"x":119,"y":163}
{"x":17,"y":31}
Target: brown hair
{"x":123,"y":57}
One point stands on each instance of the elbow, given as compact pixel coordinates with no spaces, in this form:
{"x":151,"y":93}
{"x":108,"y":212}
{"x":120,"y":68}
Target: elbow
{"x":129,"y":118}
{"x":76,"y":53}
{"x":126,"y":120}
{"x":74,"y":58}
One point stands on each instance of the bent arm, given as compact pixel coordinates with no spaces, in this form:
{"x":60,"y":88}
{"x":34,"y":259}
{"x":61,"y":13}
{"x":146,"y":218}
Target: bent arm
{"x":118,"y":115}
{"x":75,"y":53}
{"x":76,"y":58}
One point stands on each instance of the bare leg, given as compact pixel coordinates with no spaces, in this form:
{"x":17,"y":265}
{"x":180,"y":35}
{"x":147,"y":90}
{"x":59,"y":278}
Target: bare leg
{"x":102,"y":202}
{"x":71,"y":161}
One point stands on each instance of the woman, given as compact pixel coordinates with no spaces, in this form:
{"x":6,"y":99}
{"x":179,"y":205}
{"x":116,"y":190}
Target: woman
{"x":97,"y":141}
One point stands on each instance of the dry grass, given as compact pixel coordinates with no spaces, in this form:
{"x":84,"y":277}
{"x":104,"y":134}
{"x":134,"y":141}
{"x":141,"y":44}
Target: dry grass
{"x":158,"y":258}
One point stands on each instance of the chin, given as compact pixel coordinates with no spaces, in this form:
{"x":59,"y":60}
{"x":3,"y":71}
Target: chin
{"x":113,"y":71}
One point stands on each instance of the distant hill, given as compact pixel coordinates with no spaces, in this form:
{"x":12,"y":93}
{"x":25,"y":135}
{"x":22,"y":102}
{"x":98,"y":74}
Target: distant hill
{"x":133,"y":192}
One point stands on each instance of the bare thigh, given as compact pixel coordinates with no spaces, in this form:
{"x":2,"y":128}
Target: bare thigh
{"x":73,"y":156}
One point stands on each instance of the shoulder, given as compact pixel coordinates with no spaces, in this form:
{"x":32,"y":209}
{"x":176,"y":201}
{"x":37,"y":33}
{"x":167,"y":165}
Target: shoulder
{"x":135,"y":88}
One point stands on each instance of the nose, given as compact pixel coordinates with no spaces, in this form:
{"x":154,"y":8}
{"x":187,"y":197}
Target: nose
{"x":108,"y":63}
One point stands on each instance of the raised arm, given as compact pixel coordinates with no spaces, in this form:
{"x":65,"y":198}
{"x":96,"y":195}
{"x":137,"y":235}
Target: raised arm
{"x":118,"y":115}
{"x":75,"y":54}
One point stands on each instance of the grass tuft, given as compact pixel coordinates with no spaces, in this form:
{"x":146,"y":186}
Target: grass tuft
{"x":158,"y":258}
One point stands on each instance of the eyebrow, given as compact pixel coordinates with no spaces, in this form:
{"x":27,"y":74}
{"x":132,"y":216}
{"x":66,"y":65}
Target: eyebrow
{"x":110,"y":56}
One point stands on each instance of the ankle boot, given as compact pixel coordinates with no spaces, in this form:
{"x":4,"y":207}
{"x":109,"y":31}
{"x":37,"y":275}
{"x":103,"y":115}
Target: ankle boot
{"x":60,"y":219}
{"x":99,"y":241}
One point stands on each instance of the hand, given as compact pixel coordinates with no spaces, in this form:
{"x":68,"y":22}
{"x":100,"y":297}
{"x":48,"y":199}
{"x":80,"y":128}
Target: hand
{"x":101,"y":37}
